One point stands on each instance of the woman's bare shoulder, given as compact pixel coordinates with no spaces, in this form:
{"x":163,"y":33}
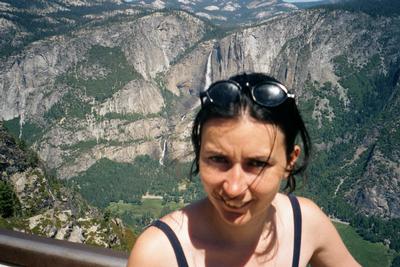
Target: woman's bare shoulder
{"x":312,"y":215}
{"x":152,"y":249}
{"x":316,"y":224}
{"x":319,"y":233}
{"x":310,"y":209}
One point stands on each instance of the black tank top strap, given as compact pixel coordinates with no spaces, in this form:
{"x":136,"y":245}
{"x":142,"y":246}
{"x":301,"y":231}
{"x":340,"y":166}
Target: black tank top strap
{"x":297,"y":229}
{"x":176,"y":245}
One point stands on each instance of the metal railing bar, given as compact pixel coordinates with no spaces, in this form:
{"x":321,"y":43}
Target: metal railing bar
{"x":29,"y":250}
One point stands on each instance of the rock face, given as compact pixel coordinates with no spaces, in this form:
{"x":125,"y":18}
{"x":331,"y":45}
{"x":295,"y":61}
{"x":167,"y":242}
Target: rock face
{"x":119,"y":88}
{"x":38,"y":80}
{"x":158,"y":39}
{"x":49,"y":209}
{"x":140,"y":97}
{"x":149,"y":44}
{"x":30,"y":188}
{"x":293,"y":48}
{"x":376,"y":191}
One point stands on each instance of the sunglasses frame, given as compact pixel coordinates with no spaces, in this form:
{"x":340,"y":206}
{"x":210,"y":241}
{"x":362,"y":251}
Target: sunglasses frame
{"x":251,"y":89}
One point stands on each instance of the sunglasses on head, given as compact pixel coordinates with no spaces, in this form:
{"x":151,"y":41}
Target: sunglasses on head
{"x":266,"y":94}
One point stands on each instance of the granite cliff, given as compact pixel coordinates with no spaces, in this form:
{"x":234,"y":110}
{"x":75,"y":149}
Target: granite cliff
{"x":95,"y":87}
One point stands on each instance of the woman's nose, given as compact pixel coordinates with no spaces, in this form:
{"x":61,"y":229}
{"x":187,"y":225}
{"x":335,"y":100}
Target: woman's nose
{"x":235,"y":183}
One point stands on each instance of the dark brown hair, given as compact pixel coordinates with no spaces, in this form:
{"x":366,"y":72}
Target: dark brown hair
{"x":286,"y":117}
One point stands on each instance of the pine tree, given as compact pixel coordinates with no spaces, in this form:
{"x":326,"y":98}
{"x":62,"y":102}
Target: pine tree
{"x":8,"y":200}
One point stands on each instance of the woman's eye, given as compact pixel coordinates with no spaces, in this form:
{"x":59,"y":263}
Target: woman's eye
{"x":257,"y":163}
{"x":218,"y":159}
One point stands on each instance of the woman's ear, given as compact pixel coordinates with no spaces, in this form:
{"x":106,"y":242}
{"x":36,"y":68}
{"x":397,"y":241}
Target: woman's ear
{"x":294,"y":155}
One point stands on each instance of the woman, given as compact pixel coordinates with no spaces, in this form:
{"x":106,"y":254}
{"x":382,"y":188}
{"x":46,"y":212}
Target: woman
{"x":244,"y":142}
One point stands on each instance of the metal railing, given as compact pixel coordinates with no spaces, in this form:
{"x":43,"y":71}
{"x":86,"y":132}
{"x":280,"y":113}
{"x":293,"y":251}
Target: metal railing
{"x":19,"y":249}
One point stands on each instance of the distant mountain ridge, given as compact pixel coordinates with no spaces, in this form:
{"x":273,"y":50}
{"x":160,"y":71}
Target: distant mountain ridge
{"x":24,"y":21}
{"x":225,"y":12}
{"x":371,"y":7}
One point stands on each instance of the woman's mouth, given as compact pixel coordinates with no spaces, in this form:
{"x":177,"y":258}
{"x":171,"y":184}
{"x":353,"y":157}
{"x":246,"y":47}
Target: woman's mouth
{"x":234,"y":205}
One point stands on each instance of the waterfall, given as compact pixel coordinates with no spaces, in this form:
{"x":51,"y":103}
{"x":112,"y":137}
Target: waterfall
{"x":21,"y":112}
{"x":161,"y":161}
{"x":21,"y":123}
{"x":208,"y":72}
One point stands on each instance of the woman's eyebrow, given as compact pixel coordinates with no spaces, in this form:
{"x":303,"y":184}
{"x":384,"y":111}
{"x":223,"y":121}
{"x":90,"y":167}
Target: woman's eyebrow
{"x":261,"y":153}
{"x":213,"y":150}
{"x":263,"y":158}
{"x":212,"y":146}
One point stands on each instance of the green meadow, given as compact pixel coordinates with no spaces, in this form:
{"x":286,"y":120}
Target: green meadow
{"x":138,"y":216}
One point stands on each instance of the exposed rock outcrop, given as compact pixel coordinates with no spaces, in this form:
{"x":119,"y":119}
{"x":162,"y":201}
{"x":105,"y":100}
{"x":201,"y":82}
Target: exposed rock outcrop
{"x":47,"y":208}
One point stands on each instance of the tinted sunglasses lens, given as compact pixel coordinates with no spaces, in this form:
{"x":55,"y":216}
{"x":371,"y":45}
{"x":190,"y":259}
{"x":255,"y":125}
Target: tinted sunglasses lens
{"x":269,"y":95}
{"x":224,"y":93}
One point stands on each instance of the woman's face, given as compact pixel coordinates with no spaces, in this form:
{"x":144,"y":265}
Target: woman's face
{"x":242,"y":162}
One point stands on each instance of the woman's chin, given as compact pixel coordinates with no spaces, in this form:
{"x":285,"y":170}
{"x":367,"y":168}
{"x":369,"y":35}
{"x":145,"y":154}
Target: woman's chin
{"x":234,"y":215}
{"x":234,"y":218}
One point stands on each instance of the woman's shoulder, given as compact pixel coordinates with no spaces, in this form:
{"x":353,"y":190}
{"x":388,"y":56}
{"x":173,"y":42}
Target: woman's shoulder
{"x":310,"y":209}
{"x":307,"y":206}
{"x":311,"y":214}
{"x":321,"y":237}
{"x":153,"y":248}
{"x":313,"y":218}
{"x":314,"y":221}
